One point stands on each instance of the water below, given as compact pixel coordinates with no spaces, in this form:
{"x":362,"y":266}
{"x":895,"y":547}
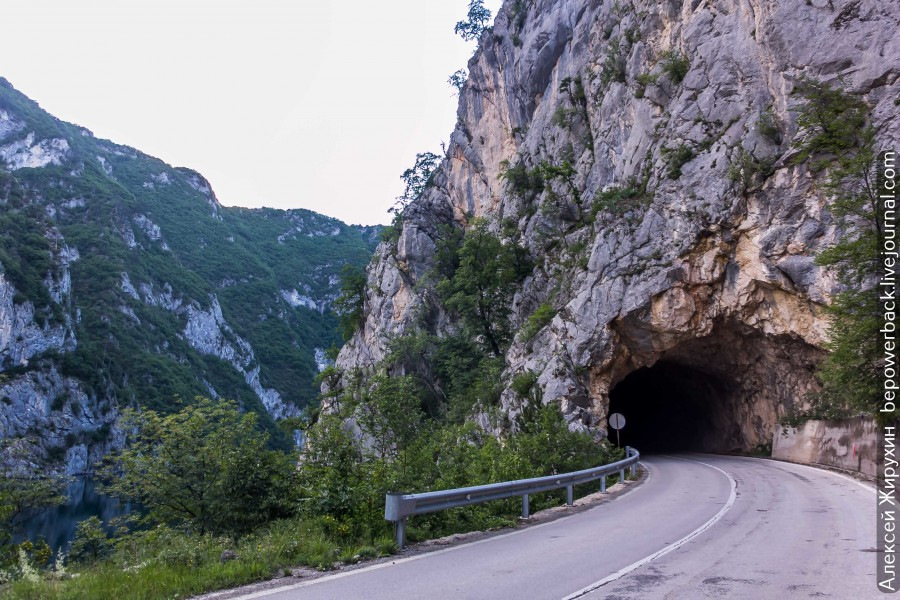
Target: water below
{"x":57,"y":524}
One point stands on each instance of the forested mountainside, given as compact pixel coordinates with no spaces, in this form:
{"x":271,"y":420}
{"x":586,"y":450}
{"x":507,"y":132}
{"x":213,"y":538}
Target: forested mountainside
{"x":666,"y":181}
{"x":124,"y":282}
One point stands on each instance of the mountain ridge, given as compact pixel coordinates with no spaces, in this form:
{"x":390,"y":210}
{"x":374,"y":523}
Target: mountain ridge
{"x":125,"y":282}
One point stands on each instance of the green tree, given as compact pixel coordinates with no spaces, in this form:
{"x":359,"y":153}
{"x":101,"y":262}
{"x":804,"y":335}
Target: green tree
{"x":392,"y":414}
{"x":330,"y":470}
{"x":417,"y":178}
{"x":350,"y":304}
{"x":475,"y":23}
{"x":839,"y":143}
{"x":458,"y":79}
{"x":205,"y":468}
{"x":481,"y":287}
{"x":91,"y":542}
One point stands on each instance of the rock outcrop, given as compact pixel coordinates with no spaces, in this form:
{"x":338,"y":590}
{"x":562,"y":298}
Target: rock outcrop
{"x":711,"y":265}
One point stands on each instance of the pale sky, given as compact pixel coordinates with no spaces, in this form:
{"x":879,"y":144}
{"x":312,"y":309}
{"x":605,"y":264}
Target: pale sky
{"x":288,"y":104}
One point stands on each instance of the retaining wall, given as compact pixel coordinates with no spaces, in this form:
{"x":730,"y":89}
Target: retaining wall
{"x":849,"y":444}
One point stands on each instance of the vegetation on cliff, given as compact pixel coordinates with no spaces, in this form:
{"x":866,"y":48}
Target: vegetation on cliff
{"x":838,"y":144}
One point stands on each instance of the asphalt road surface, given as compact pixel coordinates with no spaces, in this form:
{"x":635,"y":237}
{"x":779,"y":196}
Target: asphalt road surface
{"x":700,"y":527}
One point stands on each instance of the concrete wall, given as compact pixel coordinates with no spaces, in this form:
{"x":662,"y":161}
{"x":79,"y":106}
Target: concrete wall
{"x":849,"y":444}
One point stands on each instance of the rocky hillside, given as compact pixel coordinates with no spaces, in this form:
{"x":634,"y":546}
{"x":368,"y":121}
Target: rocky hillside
{"x":642,"y":153}
{"x":124,"y":282}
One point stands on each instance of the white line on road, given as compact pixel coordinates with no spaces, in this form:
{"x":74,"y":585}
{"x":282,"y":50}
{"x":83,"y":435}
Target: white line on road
{"x":383,"y":565}
{"x":868,"y":488}
{"x":624,"y":571}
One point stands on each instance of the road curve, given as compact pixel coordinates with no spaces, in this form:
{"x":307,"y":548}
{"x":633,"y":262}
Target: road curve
{"x":701,"y":527}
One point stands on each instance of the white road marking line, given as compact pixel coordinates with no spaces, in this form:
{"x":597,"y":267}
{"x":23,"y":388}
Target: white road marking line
{"x":624,"y":571}
{"x":868,"y":488}
{"x":288,"y":588}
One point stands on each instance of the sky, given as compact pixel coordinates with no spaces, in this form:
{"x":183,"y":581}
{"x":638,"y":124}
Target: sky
{"x":287,"y":104}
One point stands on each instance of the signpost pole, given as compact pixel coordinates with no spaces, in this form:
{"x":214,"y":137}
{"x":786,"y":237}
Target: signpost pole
{"x":617,"y":422}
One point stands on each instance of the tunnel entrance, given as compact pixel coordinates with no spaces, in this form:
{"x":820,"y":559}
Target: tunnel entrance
{"x":723,"y":392}
{"x":672,"y":407}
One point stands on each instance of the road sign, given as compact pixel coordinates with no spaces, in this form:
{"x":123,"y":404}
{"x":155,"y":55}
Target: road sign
{"x":616,"y":421}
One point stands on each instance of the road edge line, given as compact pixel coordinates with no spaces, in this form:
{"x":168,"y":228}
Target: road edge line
{"x":824,"y":469}
{"x":625,"y":570}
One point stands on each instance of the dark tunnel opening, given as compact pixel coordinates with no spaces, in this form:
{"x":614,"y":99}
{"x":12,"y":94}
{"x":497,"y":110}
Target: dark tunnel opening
{"x":672,"y":407}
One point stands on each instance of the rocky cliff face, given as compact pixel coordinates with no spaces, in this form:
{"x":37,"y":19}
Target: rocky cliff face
{"x":123,"y":282}
{"x":677,"y":242}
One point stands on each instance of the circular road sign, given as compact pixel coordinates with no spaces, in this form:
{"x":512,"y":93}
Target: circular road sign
{"x":616,"y":421}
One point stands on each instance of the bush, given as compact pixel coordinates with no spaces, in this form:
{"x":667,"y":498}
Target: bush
{"x":643,"y":80}
{"x":520,"y":180}
{"x":613,"y":67}
{"x":523,"y":383}
{"x":205,"y":469}
{"x":676,"y":158}
{"x":540,"y":318}
{"x":617,"y":200}
{"x":767,"y":126}
{"x":164,"y":563}
{"x":676,"y":65}
{"x":91,"y":542}
{"x":749,"y":172}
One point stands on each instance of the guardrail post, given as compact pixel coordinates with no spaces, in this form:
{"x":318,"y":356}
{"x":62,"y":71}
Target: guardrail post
{"x":393,"y":505}
{"x":570,"y":494}
{"x":400,"y":533}
{"x":603,"y":484}
{"x":621,"y":475}
{"x":525,"y":507}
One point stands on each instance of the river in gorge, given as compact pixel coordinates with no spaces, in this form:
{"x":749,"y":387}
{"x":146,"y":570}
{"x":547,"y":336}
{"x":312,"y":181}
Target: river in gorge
{"x":57,"y":524}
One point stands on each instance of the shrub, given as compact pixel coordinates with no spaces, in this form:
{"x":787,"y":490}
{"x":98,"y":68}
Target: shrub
{"x":613,"y":67}
{"x":91,"y":542}
{"x":458,"y":79}
{"x":58,"y":403}
{"x":523,"y":383}
{"x":768,"y":127}
{"x":748,"y":171}
{"x":205,"y":468}
{"x":520,"y":180}
{"x":676,"y":158}
{"x":643,"y":80}
{"x":676,"y":65}
{"x":618,"y":200}
{"x":562,"y":117}
{"x":540,"y":318}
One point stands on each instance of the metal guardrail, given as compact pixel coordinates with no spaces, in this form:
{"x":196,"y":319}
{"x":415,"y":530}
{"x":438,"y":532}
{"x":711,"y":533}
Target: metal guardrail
{"x":399,"y":506}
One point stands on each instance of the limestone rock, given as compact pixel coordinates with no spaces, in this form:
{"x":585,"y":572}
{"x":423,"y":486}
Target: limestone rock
{"x":707,"y":275}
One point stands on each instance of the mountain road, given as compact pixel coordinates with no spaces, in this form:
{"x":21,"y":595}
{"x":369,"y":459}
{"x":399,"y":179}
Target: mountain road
{"x":701,"y":526}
